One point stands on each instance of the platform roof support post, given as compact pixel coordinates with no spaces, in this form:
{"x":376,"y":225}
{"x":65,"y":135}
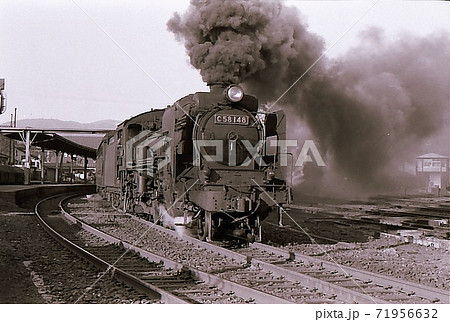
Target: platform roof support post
{"x":85,"y":169}
{"x":27,"y":158}
{"x":42,"y":165}
{"x":56,"y":167}
{"x":12,"y":152}
{"x":60,"y":166}
{"x":71,"y":169}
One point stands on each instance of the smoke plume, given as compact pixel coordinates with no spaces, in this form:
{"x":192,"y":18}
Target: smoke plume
{"x":231,"y":41}
{"x":369,"y":111}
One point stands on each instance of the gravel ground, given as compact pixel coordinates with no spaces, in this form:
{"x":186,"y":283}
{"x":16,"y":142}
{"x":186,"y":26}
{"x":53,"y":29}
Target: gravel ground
{"x":36,"y":269}
{"x":360,"y":245}
{"x":16,"y":284}
{"x":124,"y":227}
{"x":416,"y":263}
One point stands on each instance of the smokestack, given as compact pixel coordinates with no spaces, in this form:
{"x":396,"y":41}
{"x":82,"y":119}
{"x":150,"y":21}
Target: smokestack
{"x":216,"y":88}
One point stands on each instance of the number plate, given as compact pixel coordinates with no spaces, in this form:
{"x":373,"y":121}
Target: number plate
{"x":231,"y":119}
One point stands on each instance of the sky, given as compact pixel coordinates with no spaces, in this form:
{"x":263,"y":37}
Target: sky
{"x":87,"y":61}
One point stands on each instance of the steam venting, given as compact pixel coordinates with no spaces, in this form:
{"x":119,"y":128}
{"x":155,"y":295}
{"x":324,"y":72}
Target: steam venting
{"x":369,"y":111}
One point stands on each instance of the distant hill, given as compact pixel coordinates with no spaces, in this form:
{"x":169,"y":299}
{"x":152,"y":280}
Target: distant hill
{"x":58,"y":124}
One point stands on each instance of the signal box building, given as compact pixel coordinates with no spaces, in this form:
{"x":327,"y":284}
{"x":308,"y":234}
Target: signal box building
{"x":433,"y":169}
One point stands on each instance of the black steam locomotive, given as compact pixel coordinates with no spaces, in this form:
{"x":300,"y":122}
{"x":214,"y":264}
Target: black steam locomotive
{"x":204,"y":164}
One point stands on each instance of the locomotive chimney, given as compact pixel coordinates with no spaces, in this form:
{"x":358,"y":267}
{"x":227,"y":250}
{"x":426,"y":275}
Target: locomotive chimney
{"x":217,"y":87}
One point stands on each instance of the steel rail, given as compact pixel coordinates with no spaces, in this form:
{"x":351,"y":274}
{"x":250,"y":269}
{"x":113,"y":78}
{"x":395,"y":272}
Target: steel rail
{"x":342,"y":293}
{"x":349,"y":295}
{"x":346,"y":294}
{"x":210,"y":279}
{"x":150,"y":290}
{"x":418,"y":289}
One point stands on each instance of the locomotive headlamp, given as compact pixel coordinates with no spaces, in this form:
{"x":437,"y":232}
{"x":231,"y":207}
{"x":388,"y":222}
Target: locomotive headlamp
{"x":269,"y":175}
{"x":234,"y":93}
{"x":206,"y":173}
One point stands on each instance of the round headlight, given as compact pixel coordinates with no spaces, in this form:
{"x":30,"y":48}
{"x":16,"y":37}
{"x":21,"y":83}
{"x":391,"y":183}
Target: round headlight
{"x":235,"y":93}
{"x":269,"y":175}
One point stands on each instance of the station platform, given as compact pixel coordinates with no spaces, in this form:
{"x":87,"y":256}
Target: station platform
{"x":26,"y":196}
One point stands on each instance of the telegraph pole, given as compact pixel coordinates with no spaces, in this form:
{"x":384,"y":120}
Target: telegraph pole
{"x":2,"y":96}
{"x":11,"y":144}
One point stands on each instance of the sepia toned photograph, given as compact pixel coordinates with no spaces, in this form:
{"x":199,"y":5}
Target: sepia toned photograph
{"x":227,"y":152}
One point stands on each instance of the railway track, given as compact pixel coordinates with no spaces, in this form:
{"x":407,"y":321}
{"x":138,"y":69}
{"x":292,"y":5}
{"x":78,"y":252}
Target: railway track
{"x":305,"y":279}
{"x":337,"y":283}
{"x":375,"y":288}
{"x":103,"y":255}
{"x":158,"y":277}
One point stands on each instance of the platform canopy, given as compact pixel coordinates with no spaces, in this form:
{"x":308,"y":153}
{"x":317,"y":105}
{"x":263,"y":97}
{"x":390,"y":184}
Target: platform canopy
{"x":50,"y":140}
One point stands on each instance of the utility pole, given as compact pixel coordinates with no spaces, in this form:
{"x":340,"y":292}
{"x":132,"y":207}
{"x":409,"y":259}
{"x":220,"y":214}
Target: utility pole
{"x":2,"y":96}
{"x":11,"y":144}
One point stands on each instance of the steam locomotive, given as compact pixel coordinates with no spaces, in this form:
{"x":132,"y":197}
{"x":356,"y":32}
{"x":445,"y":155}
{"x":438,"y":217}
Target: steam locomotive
{"x":209,"y":164}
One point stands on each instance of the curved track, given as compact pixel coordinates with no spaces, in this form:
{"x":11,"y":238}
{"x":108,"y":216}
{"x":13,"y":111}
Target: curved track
{"x":160,"y":278}
{"x":99,"y":259}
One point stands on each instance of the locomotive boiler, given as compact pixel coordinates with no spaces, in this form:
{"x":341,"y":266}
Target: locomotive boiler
{"x":210,"y":163}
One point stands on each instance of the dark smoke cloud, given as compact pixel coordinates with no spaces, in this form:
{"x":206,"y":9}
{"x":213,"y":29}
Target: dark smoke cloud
{"x":369,"y":111}
{"x":231,"y":41}
{"x":380,"y":106}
